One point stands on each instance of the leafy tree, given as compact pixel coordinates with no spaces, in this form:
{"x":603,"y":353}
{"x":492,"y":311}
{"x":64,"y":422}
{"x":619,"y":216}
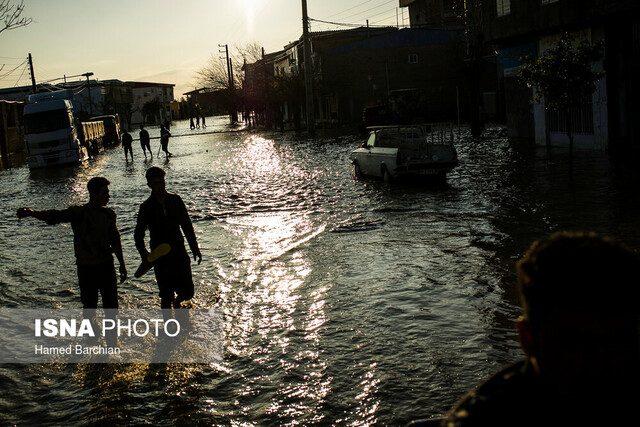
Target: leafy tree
{"x":564,"y":77}
{"x":151,"y":110}
{"x":10,"y":14}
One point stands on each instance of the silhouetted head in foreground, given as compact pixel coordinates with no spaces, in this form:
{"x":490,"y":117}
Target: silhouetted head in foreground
{"x":98,"y":191}
{"x":155,"y":180}
{"x":579,"y":327}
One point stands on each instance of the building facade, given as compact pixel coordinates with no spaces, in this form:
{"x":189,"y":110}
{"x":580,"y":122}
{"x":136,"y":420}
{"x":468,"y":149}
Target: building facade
{"x":151,"y":102}
{"x":439,"y":14}
{"x":358,"y":68}
{"x":530,"y":27}
{"x":95,"y":98}
{"x":417,"y":72}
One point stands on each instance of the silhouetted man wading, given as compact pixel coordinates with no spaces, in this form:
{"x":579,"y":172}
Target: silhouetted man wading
{"x":95,"y":238}
{"x":164,"y":214}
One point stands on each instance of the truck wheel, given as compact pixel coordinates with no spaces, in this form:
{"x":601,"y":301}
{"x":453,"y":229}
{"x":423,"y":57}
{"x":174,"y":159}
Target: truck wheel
{"x":386,"y":176}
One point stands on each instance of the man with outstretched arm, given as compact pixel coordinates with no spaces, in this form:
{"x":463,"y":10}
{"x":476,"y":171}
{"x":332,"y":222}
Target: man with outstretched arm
{"x":95,"y":238}
{"x":164,"y":214}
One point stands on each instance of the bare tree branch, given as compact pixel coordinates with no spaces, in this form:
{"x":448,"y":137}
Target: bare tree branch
{"x":10,"y":14}
{"x":214,"y":73}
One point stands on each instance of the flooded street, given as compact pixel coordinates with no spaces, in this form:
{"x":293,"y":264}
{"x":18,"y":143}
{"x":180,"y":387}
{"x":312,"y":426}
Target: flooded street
{"x":345,"y":302}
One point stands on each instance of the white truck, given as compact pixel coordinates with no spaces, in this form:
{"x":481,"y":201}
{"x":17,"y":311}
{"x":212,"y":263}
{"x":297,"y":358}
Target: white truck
{"x":51,"y":134}
{"x":407,"y":150}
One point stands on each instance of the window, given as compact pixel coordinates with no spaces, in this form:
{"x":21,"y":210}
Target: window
{"x":503,"y":7}
{"x":47,"y":121}
{"x":413,"y":58}
{"x":581,"y":119}
{"x":372,"y":140}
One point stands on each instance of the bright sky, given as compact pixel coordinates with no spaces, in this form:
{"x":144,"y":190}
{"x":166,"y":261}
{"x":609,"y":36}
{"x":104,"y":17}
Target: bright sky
{"x":165,"y":41}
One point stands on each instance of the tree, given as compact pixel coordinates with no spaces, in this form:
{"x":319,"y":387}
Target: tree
{"x":214,"y":74}
{"x":151,"y":110}
{"x":564,"y":77}
{"x":10,"y":14}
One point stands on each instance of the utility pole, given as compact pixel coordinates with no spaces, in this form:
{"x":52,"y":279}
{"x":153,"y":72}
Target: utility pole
{"x":229,"y":78}
{"x":233,"y":114}
{"x":89,"y":89}
{"x":33,"y":77}
{"x":308,"y":70}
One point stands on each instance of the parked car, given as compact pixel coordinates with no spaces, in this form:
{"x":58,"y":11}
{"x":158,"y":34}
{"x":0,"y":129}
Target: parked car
{"x":111,"y":128}
{"x":412,"y":150}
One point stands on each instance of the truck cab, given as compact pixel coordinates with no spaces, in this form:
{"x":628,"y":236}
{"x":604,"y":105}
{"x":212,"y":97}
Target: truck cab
{"x":50,"y":132}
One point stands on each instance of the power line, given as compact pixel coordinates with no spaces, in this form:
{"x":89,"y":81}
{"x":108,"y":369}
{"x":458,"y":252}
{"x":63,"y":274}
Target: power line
{"x":9,"y":72}
{"x":339,"y":24}
{"x":346,"y":10}
{"x":368,"y":10}
{"x":21,"y":74}
{"x":381,"y":13}
{"x":363,"y":12}
{"x":344,"y":24}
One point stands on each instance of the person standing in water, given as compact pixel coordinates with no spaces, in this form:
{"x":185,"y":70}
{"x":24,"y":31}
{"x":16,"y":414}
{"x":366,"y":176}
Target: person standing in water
{"x":127,"y":141}
{"x":165,"y":214}
{"x":95,"y":239}
{"x":144,"y":142}
{"x":164,"y":140}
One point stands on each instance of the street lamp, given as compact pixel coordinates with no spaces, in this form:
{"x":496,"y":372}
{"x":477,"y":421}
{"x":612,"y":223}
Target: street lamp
{"x":87,"y":75}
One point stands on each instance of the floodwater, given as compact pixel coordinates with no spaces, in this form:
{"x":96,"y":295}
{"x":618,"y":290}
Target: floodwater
{"x":345,"y":302}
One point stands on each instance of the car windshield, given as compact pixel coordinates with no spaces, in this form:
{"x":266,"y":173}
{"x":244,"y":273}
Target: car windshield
{"x":47,"y":121}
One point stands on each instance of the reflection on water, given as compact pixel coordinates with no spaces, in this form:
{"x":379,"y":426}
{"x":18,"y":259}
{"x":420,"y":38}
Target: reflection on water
{"x":345,"y":301}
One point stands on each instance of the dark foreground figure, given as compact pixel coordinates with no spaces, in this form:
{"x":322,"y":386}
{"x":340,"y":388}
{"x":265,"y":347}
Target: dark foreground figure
{"x":164,"y":214}
{"x":95,"y":238}
{"x":579,"y":332}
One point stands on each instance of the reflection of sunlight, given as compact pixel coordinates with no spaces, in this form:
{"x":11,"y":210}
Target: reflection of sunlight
{"x":369,"y":402}
{"x":259,"y":155}
{"x":269,"y":236}
{"x":276,"y":317}
{"x":273,"y":313}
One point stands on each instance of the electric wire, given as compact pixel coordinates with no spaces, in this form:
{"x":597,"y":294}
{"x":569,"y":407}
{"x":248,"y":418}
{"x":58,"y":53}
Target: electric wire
{"x":347,"y":10}
{"x":344,"y":24}
{"x":21,"y":74}
{"x":3,"y":76}
{"x":367,"y":11}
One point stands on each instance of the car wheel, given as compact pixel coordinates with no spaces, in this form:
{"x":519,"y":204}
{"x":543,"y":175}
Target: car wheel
{"x":357,"y":172}
{"x":386,"y":176}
